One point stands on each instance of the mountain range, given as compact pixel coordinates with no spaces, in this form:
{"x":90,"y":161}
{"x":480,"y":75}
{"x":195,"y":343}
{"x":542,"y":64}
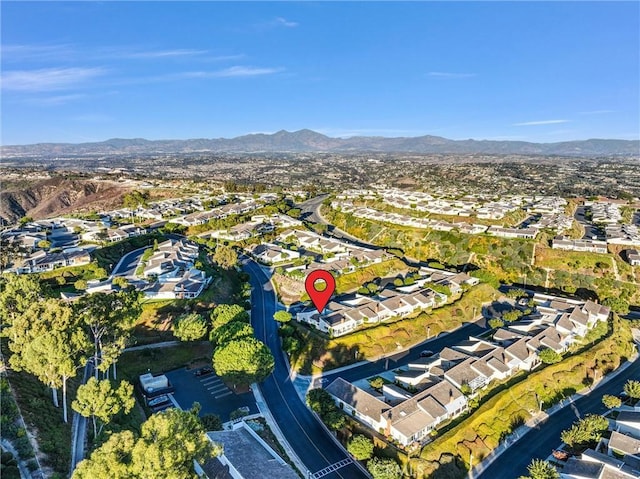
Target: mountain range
{"x":310,"y":141}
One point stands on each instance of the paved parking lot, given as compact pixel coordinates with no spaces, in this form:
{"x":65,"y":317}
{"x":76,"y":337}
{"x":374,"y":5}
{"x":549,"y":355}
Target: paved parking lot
{"x":209,"y":390}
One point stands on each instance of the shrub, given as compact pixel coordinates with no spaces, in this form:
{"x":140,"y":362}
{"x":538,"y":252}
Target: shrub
{"x":549,"y":356}
{"x":495,"y":323}
{"x":282,"y":316}
{"x":376,"y":383}
{"x":384,"y":468}
{"x":211,"y":422}
{"x":361,"y":447}
{"x":611,"y":402}
{"x":632,"y":388}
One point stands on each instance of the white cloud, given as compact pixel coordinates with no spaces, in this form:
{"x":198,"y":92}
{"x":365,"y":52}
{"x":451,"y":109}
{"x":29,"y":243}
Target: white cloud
{"x":450,"y":75}
{"x":56,"y":100}
{"x":47,"y":79}
{"x":22,"y":53}
{"x":540,"y":122}
{"x":286,"y":23}
{"x":174,"y":53}
{"x":235,"y":71}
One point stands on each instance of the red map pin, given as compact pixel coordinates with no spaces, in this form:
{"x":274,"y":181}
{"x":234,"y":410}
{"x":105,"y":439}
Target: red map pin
{"x":320,"y":298}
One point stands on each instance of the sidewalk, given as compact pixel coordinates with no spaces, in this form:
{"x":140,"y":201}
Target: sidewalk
{"x":264,"y":410}
{"x":521,"y":431}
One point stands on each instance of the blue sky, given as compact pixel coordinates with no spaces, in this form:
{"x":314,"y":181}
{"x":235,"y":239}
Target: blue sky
{"x":544,"y":71}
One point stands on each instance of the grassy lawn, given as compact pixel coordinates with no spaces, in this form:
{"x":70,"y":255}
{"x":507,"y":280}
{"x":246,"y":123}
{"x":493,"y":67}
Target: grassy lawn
{"x":155,"y":322}
{"x":510,"y":219}
{"x":318,"y":353}
{"x":593,"y":264}
{"x":352,"y":281}
{"x":447,"y":456}
{"x":160,"y":360}
{"x":108,"y":256}
{"x":627,"y":272}
{"x":506,"y":258}
{"x":62,"y":279}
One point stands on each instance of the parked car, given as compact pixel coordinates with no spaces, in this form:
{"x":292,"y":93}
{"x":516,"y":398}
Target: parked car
{"x":427,"y":353}
{"x":203,"y":371}
{"x":158,"y":400}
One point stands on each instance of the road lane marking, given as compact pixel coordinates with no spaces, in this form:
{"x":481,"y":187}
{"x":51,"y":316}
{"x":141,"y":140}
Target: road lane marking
{"x":223,"y":395}
{"x":210,"y":381}
{"x":264,"y":325}
{"x":218,"y":388}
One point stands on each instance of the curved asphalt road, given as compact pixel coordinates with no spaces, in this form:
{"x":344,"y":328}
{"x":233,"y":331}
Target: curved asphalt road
{"x":537,"y":443}
{"x":305,"y":435}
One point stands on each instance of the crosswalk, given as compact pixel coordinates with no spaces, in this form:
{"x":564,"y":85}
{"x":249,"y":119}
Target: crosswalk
{"x":214,"y":386}
{"x":332,"y":468}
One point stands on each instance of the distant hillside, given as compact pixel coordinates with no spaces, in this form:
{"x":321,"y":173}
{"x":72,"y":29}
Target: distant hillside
{"x":56,"y":196}
{"x":311,"y":141}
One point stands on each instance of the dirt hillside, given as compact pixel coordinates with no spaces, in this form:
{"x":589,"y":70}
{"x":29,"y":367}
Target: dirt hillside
{"x":57,"y":196}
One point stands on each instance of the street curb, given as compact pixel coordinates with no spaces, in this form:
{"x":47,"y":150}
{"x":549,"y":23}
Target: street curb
{"x":264,"y":410}
{"x":521,"y":431}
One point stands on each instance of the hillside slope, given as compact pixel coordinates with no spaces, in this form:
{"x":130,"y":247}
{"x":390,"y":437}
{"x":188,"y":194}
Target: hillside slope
{"x":58,"y":196}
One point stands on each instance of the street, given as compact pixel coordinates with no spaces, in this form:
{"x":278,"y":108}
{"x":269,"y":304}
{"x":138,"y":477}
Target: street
{"x":127,"y":265}
{"x":303,"y":432}
{"x":538,"y":443}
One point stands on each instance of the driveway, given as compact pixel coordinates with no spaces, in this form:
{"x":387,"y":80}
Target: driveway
{"x":209,"y":390}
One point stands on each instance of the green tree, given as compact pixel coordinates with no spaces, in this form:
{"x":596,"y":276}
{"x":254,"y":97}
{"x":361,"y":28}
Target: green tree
{"x":511,"y":315}
{"x":53,"y":357}
{"x":112,"y":460}
{"x":632,"y":388}
{"x":121,"y":282}
{"x":376,"y":383}
{"x":549,"y":356}
{"x":225,"y":257}
{"x":496,"y":323}
{"x":321,"y":402}
{"x":211,"y":422}
{"x":135,"y":198}
{"x":361,"y":447}
{"x":230,"y":331}
{"x":9,"y":251}
{"x":189,"y":327}
{"x":46,"y":340}
{"x":168,"y":444}
{"x":80,"y":285}
{"x":617,"y":304}
{"x":243,"y":361}
{"x":17,"y":294}
{"x":516,"y":293}
{"x":225,"y":313}
{"x":585,"y":432}
{"x":109,"y":319}
{"x":238,"y":413}
{"x":335,"y":420}
{"x":611,"y":402}
{"x":539,"y":469}
{"x":44,"y":244}
{"x":282,"y":316}
{"x":384,"y":468}
{"x":100,"y":400}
